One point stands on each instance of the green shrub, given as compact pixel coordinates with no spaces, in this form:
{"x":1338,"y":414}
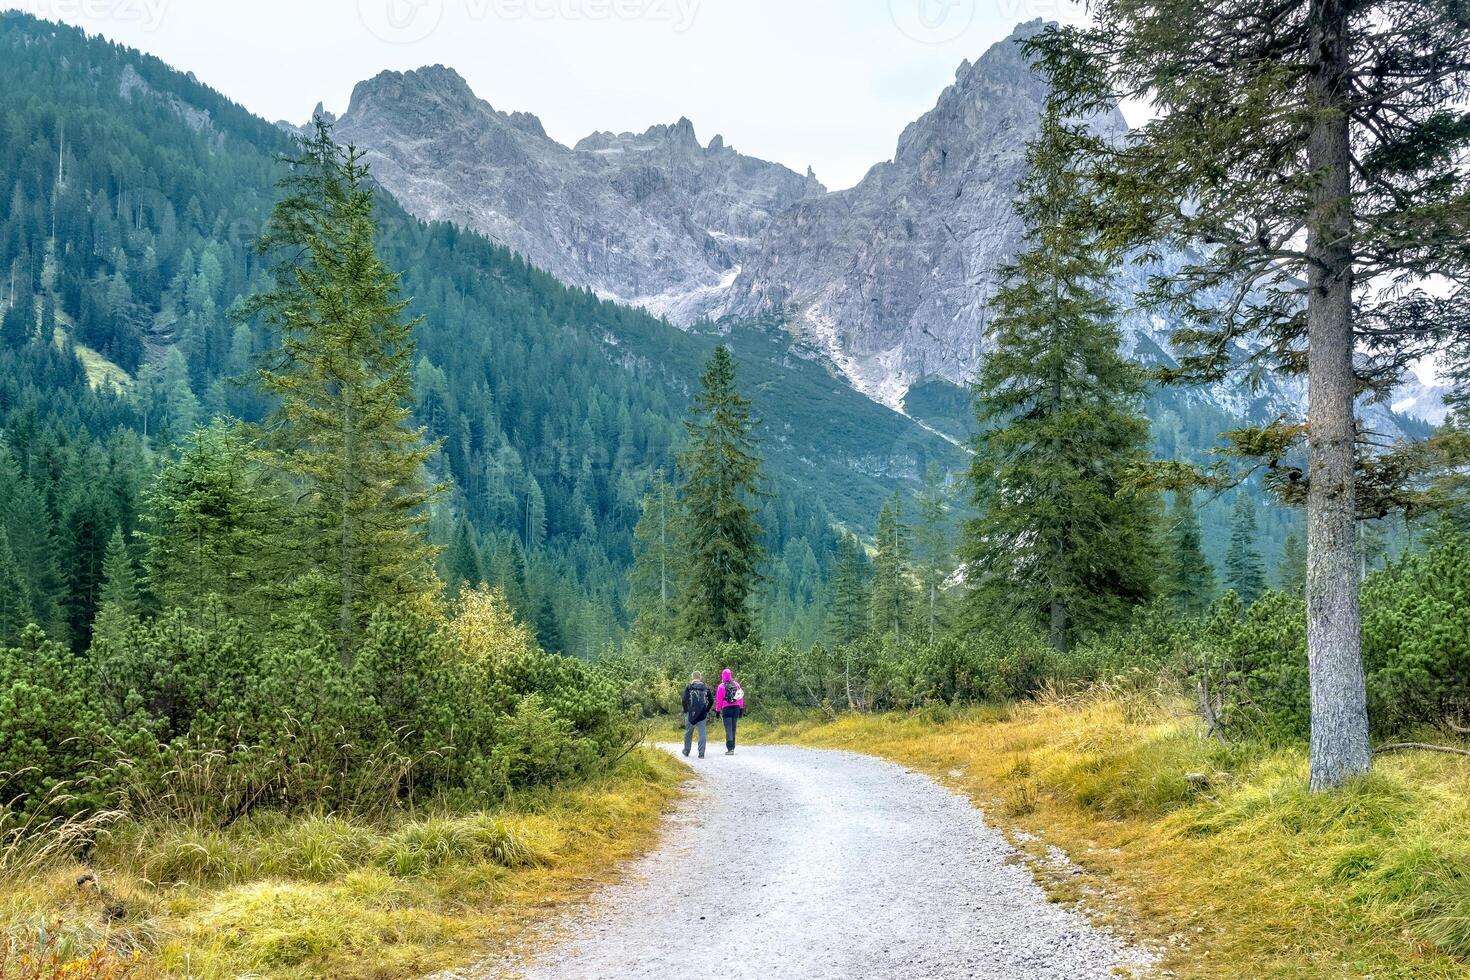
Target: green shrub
{"x":1252,"y":663}
{"x":989,"y":664}
{"x":50,"y":728}
{"x":172,"y":676}
{"x":197,"y":718}
{"x":1416,"y":650}
{"x":537,"y":745}
{"x":1151,"y":640}
{"x":1416,"y":637}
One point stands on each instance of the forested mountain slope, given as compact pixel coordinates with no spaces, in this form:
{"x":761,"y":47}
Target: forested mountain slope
{"x":134,"y":197}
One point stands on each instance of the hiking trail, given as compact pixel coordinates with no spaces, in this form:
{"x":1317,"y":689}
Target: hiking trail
{"x":787,"y":862}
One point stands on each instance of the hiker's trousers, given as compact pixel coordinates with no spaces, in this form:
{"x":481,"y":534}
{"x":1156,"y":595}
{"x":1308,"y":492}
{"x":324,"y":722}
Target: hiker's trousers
{"x":731,"y":716}
{"x":689,"y":727}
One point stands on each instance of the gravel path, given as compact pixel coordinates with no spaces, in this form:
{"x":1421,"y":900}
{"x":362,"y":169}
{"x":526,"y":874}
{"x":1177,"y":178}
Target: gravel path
{"x":845,"y":866}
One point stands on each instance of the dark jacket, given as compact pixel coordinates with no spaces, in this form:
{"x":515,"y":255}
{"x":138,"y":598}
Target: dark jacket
{"x":697,"y":701}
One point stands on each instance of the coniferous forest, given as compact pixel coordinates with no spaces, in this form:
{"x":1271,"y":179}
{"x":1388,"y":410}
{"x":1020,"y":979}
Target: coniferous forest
{"x":329,"y":531}
{"x":549,"y":433}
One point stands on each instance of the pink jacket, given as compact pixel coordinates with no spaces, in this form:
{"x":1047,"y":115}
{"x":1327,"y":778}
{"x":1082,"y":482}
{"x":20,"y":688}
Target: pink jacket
{"x":721,"y":702}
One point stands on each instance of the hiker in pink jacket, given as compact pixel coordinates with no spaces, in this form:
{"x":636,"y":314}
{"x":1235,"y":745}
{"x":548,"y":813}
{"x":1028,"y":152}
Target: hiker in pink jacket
{"x":729,"y":705}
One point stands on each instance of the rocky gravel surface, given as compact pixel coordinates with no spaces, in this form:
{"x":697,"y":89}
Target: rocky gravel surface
{"x":806,"y":863}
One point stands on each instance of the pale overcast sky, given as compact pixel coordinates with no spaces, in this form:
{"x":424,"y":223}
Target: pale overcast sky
{"x":830,"y":83}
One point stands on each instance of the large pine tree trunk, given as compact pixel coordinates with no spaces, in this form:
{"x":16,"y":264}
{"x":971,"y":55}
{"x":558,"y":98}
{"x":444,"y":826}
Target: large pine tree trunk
{"x":1057,"y":631}
{"x":1334,"y":639}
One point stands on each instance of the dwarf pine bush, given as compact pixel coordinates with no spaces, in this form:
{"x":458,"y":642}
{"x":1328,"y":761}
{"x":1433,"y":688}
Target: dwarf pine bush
{"x":1416,"y":649}
{"x":200,"y":719}
{"x":1416,"y":636}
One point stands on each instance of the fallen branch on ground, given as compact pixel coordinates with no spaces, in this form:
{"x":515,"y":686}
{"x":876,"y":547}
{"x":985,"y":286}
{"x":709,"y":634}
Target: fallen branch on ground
{"x":1401,"y":746}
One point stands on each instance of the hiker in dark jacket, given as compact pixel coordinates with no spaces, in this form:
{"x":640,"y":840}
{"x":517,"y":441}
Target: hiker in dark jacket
{"x":698,"y":699}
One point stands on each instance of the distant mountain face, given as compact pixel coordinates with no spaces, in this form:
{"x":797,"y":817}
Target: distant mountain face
{"x":655,"y":219}
{"x":1421,"y":399}
{"x":893,"y":277}
{"x":889,"y":280}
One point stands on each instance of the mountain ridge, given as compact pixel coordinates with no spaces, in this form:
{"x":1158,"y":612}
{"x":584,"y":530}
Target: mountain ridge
{"x":888,"y":282}
{"x":630,"y":216}
{"x":135,"y":207}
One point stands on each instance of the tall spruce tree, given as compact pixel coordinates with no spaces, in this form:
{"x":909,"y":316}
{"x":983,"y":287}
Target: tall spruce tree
{"x":892,"y":593}
{"x":15,"y":603}
{"x":1245,"y":572}
{"x":1453,"y":443}
{"x":1191,"y":583}
{"x":847,"y":602}
{"x":342,"y":378}
{"x":119,"y":600}
{"x":213,"y":524}
{"x":34,"y":542}
{"x":1373,"y":547}
{"x":1059,"y":539}
{"x":933,"y":553}
{"x":181,"y":407}
{"x":461,"y":560}
{"x":548,"y":625}
{"x":508,"y":574}
{"x":120,"y":578}
{"x":88,"y":520}
{"x":722,"y":537}
{"x":1291,"y":574}
{"x":654,"y":577}
{"x":1310,"y":154}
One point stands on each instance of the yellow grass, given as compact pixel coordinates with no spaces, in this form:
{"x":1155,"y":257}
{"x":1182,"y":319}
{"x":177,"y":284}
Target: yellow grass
{"x":101,"y":372}
{"x":327,"y":897}
{"x":1216,"y":856}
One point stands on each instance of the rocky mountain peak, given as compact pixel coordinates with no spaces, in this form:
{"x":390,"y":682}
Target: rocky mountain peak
{"x":683,"y":132}
{"x":890,"y":279}
{"x":678,"y":136}
{"x":651,"y":218}
{"x":432,"y":91}
{"x":998,"y":92}
{"x":528,"y":122}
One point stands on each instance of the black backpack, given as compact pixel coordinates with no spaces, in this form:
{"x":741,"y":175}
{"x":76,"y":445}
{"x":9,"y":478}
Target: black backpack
{"x":698,"y":703}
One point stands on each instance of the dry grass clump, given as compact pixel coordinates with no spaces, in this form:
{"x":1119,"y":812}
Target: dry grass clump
{"x":318,"y":894}
{"x":36,"y":837}
{"x":33,"y":842}
{"x":47,"y":955}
